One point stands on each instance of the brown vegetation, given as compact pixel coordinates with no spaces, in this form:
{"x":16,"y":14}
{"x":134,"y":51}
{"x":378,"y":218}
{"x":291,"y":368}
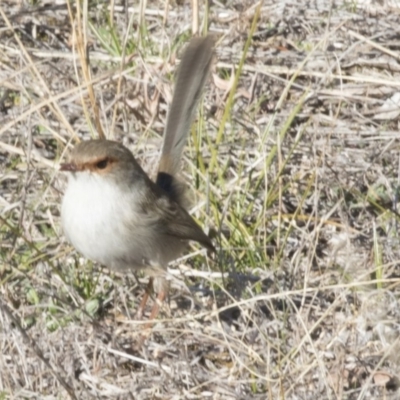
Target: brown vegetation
{"x":293,"y":164}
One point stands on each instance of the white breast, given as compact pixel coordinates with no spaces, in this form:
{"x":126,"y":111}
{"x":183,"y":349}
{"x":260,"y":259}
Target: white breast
{"x":93,"y":214}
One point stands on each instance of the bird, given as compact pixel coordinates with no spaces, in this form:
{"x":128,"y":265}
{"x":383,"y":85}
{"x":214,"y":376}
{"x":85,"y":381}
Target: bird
{"x":114,"y":214}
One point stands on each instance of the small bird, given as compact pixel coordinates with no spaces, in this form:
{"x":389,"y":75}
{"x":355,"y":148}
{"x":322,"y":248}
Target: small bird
{"x":113,"y":213}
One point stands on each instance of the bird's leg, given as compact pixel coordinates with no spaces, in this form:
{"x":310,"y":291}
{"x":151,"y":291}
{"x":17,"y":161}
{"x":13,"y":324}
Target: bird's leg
{"x":154,"y":312}
{"x":156,"y":306}
{"x":147,"y":293}
{"x":161,"y":285}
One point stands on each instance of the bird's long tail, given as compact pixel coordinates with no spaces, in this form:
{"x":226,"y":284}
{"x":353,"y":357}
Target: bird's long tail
{"x":192,"y":75}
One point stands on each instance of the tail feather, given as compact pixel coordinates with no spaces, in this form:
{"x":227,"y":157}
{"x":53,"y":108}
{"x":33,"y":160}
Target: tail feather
{"x":192,"y":75}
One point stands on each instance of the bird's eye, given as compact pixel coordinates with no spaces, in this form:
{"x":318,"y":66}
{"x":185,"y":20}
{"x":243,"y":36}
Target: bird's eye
{"x":102,"y":164}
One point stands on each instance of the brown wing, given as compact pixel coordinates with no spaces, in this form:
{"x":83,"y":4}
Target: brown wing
{"x":178,"y":223}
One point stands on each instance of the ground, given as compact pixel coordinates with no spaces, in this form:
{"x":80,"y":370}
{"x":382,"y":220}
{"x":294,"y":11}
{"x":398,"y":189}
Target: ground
{"x":292,"y":166}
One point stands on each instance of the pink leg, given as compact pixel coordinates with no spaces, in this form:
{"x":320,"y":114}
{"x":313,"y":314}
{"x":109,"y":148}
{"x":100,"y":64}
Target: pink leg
{"x":154,"y":313}
{"x":156,"y":306}
{"x":147,"y":293}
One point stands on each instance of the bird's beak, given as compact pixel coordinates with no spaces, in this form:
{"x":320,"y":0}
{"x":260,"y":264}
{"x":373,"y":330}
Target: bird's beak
{"x":71,"y":167}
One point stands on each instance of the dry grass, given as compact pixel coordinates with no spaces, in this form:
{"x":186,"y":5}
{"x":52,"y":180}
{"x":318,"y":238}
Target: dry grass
{"x":294,"y":163}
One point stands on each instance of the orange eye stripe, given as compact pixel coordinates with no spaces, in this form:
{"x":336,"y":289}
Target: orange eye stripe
{"x":94,"y":165}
